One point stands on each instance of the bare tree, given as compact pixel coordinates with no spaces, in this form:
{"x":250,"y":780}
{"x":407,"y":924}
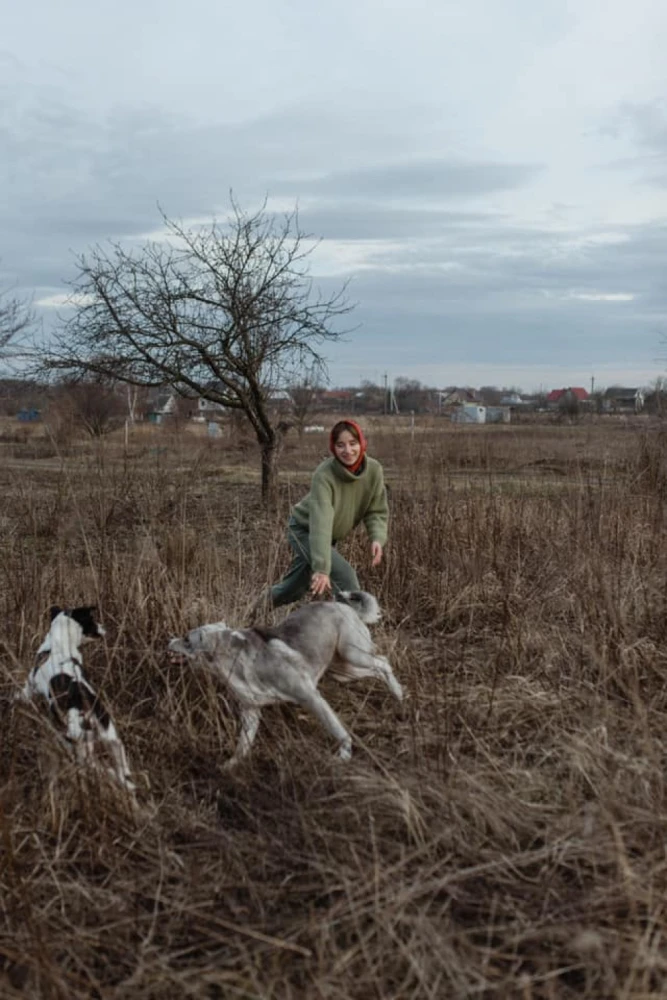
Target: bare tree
{"x":16,"y":318}
{"x":227,"y":312}
{"x":411,"y":394}
{"x":304,"y":397}
{"x":656,"y":397}
{"x":569,"y":406}
{"x":92,"y":403}
{"x":598,"y":399}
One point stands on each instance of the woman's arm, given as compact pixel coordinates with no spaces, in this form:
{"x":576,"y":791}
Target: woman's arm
{"x":320,"y":525}
{"x":376,"y":518}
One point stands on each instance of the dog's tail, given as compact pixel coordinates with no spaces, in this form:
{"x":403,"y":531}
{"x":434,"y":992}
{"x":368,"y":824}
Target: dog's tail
{"x":363,"y":603}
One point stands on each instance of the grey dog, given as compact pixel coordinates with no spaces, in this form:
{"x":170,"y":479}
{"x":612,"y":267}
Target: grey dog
{"x":285,"y":663}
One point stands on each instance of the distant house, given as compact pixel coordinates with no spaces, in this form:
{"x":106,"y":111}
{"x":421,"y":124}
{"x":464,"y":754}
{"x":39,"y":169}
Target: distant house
{"x":280,"y":400}
{"x":619,"y":399}
{"x":498,"y":414}
{"x":161,"y":405}
{"x":207,"y":411}
{"x":512,"y":399}
{"x":469,"y":413}
{"x":336,"y":399}
{"x":560,"y":397}
{"x":455,"y":397}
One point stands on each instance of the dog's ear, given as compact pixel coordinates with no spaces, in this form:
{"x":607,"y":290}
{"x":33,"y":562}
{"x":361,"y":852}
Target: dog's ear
{"x":192,"y":644}
{"x":209,"y":638}
{"x":85,"y":618}
{"x":54,"y":611}
{"x":84,"y":611}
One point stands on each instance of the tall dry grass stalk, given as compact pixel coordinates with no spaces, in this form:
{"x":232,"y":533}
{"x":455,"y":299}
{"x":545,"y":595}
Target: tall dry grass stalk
{"x":502,"y":835}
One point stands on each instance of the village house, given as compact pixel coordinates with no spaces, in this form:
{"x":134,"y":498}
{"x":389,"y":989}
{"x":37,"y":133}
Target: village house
{"x":161,"y":405}
{"x":618,"y":399}
{"x":453,"y":397}
{"x":573,"y":396}
{"x":336,"y":399}
{"x":206,"y":410}
{"x":512,"y":399}
{"x":468,"y":413}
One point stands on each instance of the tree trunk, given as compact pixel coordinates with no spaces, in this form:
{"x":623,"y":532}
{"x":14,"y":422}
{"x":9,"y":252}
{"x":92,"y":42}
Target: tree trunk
{"x":269,"y":472}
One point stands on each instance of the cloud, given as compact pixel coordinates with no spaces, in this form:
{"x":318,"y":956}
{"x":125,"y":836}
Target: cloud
{"x":60,"y":300}
{"x":418,"y":180}
{"x":603,"y":296}
{"x":644,"y":124}
{"x":359,"y":220}
{"x":647,"y":122}
{"x":455,"y":163}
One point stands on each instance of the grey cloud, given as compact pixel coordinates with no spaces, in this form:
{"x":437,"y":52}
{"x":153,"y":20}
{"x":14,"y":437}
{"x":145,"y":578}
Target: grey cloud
{"x":518,"y":309}
{"x":646,"y":125}
{"x":68,"y":180}
{"x":509,"y":258}
{"x":429,"y":178}
{"x":647,"y":121}
{"x":360,"y":221}
{"x":439,"y":329}
{"x":460,"y":337}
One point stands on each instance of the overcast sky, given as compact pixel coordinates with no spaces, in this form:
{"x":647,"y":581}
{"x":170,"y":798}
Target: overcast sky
{"x":491,"y":176}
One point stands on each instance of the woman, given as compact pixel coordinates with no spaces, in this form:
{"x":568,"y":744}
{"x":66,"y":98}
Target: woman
{"x":346,"y":489}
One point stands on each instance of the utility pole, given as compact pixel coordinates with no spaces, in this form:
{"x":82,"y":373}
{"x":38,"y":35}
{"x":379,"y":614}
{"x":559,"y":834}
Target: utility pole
{"x":384,"y":397}
{"x":592,"y":384}
{"x":393,"y":405}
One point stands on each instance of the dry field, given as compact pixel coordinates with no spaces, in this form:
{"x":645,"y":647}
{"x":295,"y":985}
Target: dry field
{"x":503,"y":834}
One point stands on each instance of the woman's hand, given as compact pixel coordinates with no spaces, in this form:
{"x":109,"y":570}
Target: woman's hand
{"x":376,"y":553}
{"x":319,"y":584}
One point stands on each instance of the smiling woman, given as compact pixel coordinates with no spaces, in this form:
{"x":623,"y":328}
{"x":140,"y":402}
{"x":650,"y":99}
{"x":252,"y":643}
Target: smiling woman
{"x":346,"y":489}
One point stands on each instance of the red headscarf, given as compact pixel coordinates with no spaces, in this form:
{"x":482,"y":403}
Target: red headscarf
{"x":353,"y":427}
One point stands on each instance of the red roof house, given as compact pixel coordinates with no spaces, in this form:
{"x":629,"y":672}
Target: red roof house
{"x":575,"y":392}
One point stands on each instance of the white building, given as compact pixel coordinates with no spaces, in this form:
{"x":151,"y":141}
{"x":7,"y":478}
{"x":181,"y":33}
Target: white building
{"x":469,"y":413}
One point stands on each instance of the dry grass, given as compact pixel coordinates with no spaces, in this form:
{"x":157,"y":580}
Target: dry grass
{"x":501,"y":835}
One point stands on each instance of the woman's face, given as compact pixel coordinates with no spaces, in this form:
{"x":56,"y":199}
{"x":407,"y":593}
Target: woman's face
{"x":347,"y":448}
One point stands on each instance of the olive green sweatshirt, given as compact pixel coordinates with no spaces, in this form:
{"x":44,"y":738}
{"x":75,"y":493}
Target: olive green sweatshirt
{"x":338,"y":501}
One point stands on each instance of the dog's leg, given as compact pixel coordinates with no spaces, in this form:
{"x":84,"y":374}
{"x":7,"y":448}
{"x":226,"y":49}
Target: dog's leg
{"x":323,"y":711}
{"x":249,"y":725}
{"x":76,"y":732}
{"x":105,"y":732}
{"x":121,"y":767}
{"x":359,"y":663}
{"x":25,"y":694}
{"x":82,"y":741}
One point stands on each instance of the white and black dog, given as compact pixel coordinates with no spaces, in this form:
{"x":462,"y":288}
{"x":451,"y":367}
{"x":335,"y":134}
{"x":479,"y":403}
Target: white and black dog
{"x":58,"y":676}
{"x":285,"y":663}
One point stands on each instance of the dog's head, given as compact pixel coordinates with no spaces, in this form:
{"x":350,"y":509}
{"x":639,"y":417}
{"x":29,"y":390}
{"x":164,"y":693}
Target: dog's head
{"x":203,"y":641}
{"x":363,"y":603}
{"x":84,"y":618}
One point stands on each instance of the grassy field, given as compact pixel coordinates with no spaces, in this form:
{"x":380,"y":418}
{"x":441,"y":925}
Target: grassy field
{"x":502,"y":834}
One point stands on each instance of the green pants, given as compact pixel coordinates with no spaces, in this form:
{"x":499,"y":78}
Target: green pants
{"x":296,"y":581}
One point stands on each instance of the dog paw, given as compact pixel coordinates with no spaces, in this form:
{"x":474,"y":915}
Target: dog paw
{"x":397,"y":691}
